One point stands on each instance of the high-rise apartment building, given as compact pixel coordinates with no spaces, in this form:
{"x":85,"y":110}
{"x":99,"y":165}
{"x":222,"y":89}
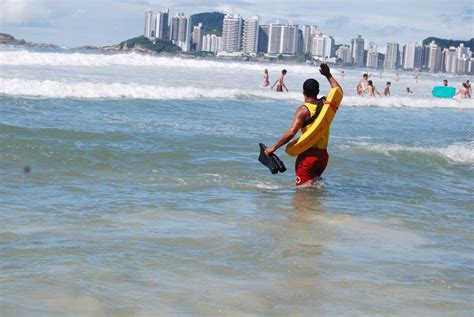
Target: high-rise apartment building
{"x":434,"y":58}
{"x":357,"y":51}
{"x":392,"y":56}
{"x":372,"y":56}
{"x":198,"y":34}
{"x":180,"y":31}
{"x":461,"y":50}
{"x":231,"y":33}
{"x":148,"y":23}
{"x":274,"y":38}
{"x":211,"y":43}
{"x":300,"y":48}
{"x":344,"y":54}
{"x":283,"y":39}
{"x":250,"y":36}
{"x":174,"y":27}
{"x":318,"y":45}
{"x":161,"y":25}
{"x":412,"y":56}
{"x":329,"y":47}
{"x":450,"y":60}
{"x":463,"y":65}
{"x":263,"y":32}
{"x":289,"y":39}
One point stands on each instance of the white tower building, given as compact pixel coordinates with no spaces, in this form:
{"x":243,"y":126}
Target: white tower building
{"x":198,"y":34}
{"x":392,"y":56}
{"x":372,"y":56}
{"x":357,"y":51}
{"x":250,"y":37}
{"x":344,"y":54}
{"x":148,"y":23}
{"x":450,"y":60}
{"x":274,"y":38}
{"x":413,"y":55}
{"x":434,"y":58}
{"x":289,"y":39}
{"x":318,"y":45}
{"x":161,"y":25}
{"x":231,"y":33}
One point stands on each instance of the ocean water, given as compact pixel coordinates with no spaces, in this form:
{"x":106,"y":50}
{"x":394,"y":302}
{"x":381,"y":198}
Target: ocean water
{"x":129,"y":185}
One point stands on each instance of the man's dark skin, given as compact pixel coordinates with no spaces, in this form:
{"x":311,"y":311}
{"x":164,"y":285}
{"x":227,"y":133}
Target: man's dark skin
{"x":302,"y":113}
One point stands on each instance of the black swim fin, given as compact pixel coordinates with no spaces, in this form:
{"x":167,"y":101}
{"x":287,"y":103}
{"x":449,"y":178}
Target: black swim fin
{"x":279,"y":163}
{"x":273,"y":163}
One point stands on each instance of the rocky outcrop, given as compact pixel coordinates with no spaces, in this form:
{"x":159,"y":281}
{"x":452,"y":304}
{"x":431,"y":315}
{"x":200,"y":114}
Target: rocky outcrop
{"x":8,"y":39}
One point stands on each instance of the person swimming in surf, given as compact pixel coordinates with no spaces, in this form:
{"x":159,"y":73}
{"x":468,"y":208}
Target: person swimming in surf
{"x":281,"y":81}
{"x":311,"y":163}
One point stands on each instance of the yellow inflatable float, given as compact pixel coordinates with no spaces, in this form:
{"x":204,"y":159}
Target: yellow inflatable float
{"x":319,"y":127}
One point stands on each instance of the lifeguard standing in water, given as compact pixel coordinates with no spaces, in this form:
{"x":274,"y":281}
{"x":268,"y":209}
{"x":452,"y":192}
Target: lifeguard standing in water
{"x":311,"y":163}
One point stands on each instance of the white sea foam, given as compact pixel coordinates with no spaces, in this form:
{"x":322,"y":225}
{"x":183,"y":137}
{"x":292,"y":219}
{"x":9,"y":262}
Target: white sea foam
{"x":26,"y":58}
{"x":89,"y":90}
{"x":92,"y":90}
{"x":457,"y":153}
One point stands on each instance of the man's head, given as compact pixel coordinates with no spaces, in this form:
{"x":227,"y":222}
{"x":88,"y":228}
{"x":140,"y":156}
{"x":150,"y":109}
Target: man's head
{"x":388,"y":83}
{"x":365,"y":76}
{"x":465,"y":85}
{"x":445,"y":82}
{"x":283,"y":72}
{"x":311,"y":88}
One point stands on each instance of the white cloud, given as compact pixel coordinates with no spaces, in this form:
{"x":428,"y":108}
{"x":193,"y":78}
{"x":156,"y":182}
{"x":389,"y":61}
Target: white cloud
{"x":23,"y":12}
{"x":100,"y":22}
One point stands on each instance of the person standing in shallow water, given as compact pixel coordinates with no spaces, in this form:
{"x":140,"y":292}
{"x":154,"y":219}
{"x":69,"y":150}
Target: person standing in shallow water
{"x":386,"y":91}
{"x":266,"y":79}
{"x":464,"y":91}
{"x":281,"y":81}
{"x":371,"y":90}
{"x":362,"y":85}
{"x":311,"y":163}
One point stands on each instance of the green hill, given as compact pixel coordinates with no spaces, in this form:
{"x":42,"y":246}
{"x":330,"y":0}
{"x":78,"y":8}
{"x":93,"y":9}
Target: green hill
{"x":444,"y":43}
{"x":212,"y":21}
{"x":159,"y":46}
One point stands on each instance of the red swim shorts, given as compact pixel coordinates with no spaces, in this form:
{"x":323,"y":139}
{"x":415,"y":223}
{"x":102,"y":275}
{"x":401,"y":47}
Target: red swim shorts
{"x":310,"y":164}
{"x":279,"y":88}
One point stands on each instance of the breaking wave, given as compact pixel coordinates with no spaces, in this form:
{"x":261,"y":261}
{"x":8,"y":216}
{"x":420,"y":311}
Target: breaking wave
{"x":462,"y":152}
{"x":93,"y":90}
{"x":27,"y":58}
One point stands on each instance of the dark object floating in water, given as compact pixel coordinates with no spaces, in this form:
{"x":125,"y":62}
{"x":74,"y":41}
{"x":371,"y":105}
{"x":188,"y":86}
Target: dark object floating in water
{"x":26,"y":169}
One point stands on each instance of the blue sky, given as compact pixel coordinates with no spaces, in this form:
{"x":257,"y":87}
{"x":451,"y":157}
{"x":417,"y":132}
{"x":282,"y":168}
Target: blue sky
{"x":73,"y":23}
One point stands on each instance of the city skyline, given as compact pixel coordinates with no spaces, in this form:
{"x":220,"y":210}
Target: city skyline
{"x":243,"y":36}
{"x":69,"y":23}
